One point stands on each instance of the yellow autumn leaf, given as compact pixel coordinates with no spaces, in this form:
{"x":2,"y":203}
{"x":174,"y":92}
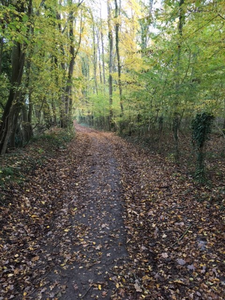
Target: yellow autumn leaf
{"x":35,"y":258}
{"x":178,"y":281}
{"x":99,"y":287}
{"x":146,"y":277}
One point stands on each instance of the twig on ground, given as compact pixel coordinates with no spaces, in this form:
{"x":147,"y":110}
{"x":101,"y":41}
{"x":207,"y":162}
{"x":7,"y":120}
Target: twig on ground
{"x":182,"y":236}
{"x":86,"y":292}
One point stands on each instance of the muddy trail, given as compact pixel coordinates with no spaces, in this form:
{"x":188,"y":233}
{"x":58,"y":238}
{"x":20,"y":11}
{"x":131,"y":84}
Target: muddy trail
{"x":103,"y":219}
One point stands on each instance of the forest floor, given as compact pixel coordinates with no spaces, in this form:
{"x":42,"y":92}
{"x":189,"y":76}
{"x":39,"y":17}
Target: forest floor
{"x":105,"y":219}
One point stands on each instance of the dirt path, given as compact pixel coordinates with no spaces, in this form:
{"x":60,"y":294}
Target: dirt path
{"x":93,"y":241}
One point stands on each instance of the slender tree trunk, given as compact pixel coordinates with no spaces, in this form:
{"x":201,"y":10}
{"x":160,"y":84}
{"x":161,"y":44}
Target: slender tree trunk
{"x":62,"y":95}
{"x":1,"y":53}
{"x":224,"y":116}
{"x":68,"y":96}
{"x":54,"y":112}
{"x":67,"y":111}
{"x":110,"y":37}
{"x":103,"y":59}
{"x":94,"y":56}
{"x":117,"y":27}
{"x":27,"y":109}
{"x":15,"y":126}
{"x":30,"y":115}
{"x":99,"y":57}
{"x":63,"y":67}
{"x":103,"y":54}
{"x":176,"y":117}
{"x":27,"y":128}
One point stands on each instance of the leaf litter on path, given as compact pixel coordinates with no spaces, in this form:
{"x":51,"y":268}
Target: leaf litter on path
{"x":106,"y":220}
{"x":65,"y":234}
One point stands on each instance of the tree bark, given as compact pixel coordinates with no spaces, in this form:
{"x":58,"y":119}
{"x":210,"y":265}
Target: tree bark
{"x":176,"y":117}
{"x":67,"y":113}
{"x":117,"y":27}
{"x":99,"y":57}
{"x":14,"y":103}
{"x":1,"y":53}
{"x":94,"y":56}
{"x":12,"y":106}
{"x":110,"y":37}
{"x":103,"y":53}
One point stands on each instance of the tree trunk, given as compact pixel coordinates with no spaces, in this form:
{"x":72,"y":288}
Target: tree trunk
{"x":1,"y":53}
{"x":103,"y":55}
{"x":13,"y":106}
{"x":176,"y":124}
{"x":66,"y":113}
{"x":94,"y":56}
{"x":27,"y":128}
{"x":54,"y":112}
{"x":224,"y":117}
{"x":27,"y":107}
{"x":176,"y":117}
{"x":99,"y":57}
{"x":110,"y":37}
{"x":68,"y":95}
{"x":117,"y":13}
{"x":11,"y":110}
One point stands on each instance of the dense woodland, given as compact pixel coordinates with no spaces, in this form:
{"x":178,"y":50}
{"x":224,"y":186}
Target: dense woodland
{"x":144,"y":68}
{"x":112,"y":147}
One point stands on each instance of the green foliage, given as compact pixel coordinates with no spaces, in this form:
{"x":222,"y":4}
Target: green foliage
{"x":9,"y":174}
{"x":53,"y":140}
{"x":8,"y":171}
{"x":40,"y":147}
{"x":40,"y":31}
{"x":201,"y":128}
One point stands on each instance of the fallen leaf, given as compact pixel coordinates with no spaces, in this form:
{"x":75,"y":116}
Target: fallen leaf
{"x":137,"y":287}
{"x":36,"y":258}
{"x":181,"y":261}
{"x":165,"y":255}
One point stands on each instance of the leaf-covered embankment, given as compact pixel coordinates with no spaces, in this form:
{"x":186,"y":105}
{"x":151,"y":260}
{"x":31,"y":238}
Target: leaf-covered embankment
{"x":175,"y":230}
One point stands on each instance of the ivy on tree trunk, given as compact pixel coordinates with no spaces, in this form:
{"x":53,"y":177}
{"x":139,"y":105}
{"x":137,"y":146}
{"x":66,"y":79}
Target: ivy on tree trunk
{"x":201,"y":128}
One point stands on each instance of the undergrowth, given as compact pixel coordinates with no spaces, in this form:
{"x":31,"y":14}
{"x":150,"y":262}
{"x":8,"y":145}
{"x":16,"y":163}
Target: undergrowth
{"x":14,"y":166}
